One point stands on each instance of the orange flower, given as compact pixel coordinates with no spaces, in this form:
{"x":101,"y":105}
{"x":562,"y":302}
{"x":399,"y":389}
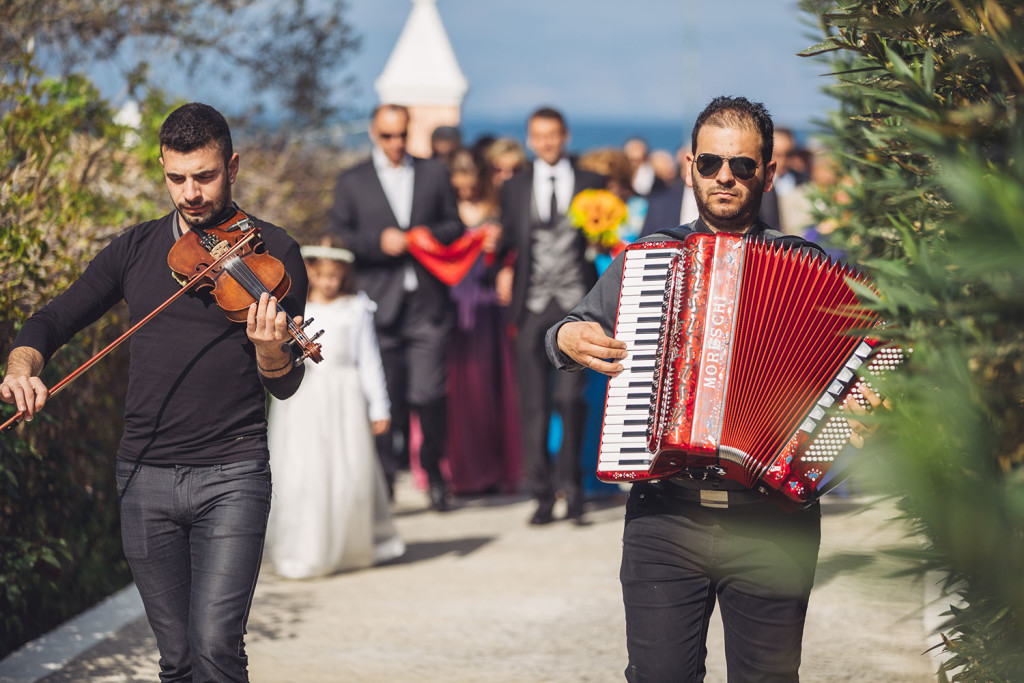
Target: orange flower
{"x":598,"y":213}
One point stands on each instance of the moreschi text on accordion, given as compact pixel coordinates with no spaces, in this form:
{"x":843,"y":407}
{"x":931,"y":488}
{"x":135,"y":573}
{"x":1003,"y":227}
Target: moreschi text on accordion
{"x":739,"y":354}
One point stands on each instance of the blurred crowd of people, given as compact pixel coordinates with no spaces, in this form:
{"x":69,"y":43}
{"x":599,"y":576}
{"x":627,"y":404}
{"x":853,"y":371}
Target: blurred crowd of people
{"x":474,"y":406}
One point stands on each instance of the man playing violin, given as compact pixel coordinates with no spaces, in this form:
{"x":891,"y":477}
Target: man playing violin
{"x":193,"y":477}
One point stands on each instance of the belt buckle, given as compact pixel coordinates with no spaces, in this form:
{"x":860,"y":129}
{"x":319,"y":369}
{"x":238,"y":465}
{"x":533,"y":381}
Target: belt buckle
{"x":714,"y":499}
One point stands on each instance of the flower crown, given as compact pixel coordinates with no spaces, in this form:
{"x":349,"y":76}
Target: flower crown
{"x":310,"y":251}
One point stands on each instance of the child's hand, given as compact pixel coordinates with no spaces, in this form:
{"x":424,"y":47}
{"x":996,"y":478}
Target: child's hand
{"x":380,"y":426}
{"x":492,"y":235}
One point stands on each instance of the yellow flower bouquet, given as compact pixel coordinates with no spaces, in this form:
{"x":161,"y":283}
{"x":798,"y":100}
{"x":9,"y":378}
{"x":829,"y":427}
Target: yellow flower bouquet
{"x":598,"y":213}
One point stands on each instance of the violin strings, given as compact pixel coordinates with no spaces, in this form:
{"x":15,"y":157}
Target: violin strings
{"x":252,"y":283}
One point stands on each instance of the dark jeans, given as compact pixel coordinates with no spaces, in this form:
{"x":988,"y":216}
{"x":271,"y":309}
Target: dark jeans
{"x":193,"y":537}
{"x":678,"y":558}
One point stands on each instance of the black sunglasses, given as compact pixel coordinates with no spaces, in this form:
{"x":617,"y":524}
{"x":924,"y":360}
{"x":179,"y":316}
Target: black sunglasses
{"x":743,"y":168}
{"x":388,"y":136}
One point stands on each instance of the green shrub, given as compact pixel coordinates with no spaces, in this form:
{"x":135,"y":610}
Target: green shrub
{"x":63,"y":167}
{"x":928,"y":132}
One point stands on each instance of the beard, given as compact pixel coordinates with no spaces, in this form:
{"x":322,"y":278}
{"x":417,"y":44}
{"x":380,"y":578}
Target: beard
{"x":211,"y":216}
{"x":727,"y":218}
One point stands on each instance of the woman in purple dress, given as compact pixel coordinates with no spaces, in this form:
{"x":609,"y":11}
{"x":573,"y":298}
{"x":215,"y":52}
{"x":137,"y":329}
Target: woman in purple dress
{"x":483,"y":421}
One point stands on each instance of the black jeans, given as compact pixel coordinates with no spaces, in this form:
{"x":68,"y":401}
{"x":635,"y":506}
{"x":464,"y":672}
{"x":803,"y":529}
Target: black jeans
{"x":679,"y":558}
{"x":542,"y":388}
{"x":193,"y":537}
{"x":414,"y":353}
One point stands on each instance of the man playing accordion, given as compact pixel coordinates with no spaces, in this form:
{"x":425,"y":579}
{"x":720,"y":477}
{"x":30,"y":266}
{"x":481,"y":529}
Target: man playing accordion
{"x":696,"y":539}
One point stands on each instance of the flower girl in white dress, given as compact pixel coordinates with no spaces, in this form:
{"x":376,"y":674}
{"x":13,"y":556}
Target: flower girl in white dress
{"x":330,"y":510}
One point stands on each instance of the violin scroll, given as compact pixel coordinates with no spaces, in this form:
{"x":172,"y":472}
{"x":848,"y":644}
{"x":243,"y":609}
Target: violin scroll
{"x":309,"y":349}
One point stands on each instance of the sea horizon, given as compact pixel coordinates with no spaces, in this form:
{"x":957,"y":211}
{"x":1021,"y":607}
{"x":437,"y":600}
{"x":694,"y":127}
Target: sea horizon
{"x":586,"y":135}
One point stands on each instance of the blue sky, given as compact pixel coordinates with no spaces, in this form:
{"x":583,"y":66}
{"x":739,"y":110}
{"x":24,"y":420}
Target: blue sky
{"x":610,"y":60}
{"x":596,"y":60}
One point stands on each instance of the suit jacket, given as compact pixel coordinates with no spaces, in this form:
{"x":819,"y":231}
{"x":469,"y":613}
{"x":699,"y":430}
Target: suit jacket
{"x":664,"y":209}
{"x":517,"y":230}
{"x":769,"y":212}
{"x":361,"y":212}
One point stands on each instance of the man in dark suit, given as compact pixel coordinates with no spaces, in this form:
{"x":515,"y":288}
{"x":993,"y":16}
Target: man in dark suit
{"x":375,"y":203}
{"x":548,"y":277}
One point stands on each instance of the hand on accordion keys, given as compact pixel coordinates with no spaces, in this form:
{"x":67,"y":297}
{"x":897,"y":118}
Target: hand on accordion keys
{"x":855,"y":403}
{"x":587,"y":344}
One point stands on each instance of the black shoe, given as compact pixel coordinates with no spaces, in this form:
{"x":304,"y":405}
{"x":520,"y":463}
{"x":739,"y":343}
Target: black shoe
{"x":579,"y":520}
{"x":439,"y":498}
{"x":574,"y":513}
{"x":542,"y":515}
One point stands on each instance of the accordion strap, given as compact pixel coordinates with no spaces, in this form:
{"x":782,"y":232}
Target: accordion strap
{"x":760,"y":230}
{"x":679,"y":233}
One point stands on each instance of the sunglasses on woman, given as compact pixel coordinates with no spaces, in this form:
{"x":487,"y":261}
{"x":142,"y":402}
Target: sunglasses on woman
{"x":743,"y":168}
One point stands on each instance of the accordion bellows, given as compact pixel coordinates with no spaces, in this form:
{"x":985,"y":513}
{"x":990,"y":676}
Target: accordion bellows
{"x":755,"y":342}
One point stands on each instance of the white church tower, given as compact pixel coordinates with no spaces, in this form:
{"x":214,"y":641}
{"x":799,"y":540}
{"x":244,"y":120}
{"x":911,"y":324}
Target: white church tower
{"x":423,"y":74}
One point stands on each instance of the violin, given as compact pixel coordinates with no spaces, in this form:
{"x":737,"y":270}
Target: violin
{"x":233,"y":262}
{"x":240,"y":279}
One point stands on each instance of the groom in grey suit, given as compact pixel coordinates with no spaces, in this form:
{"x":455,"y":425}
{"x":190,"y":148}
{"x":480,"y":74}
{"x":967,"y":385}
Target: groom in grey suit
{"x":547,"y":275}
{"x":375,"y":203}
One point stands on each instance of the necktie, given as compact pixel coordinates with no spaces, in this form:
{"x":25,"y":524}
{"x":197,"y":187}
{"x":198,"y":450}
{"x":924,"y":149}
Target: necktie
{"x":553,"y":216}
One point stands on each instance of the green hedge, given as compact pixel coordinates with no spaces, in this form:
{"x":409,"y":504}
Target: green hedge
{"x":928,"y":133}
{"x":63,"y":173}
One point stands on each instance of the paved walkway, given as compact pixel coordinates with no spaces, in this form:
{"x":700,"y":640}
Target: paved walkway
{"x":481,"y":596}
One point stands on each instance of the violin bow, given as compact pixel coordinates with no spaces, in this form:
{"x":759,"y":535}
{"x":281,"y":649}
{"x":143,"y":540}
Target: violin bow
{"x":17,"y":418}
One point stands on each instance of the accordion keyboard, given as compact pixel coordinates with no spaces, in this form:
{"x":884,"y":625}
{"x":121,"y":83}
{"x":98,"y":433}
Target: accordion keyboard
{"x":627,"y":406}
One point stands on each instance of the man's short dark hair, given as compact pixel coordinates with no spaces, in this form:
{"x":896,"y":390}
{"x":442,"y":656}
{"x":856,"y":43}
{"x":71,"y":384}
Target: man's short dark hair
{"x":387,"y":106}
{"x":548,"y":113}
{"x":194,"y":126}
{"x":447,"y":134}
{"x":737,"y":111}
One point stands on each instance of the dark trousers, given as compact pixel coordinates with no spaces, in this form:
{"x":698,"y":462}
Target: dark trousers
{"x":755,"y":560}
{"x":541,"y":387}
{"x":193,"y":537}
{"x":414,"y":352}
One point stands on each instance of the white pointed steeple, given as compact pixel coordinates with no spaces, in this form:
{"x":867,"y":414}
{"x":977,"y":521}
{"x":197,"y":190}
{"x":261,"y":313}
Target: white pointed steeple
{"x":422,"y":69}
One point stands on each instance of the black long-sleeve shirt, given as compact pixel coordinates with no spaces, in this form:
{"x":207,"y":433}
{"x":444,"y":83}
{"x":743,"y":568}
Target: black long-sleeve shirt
{"x":194,"y":396}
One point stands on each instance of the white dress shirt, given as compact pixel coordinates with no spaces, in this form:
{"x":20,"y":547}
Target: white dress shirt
{"x":564,"y":182}
{"x":643,"y":179}
{"x":688,"y":209}
{"x":397,"y":182}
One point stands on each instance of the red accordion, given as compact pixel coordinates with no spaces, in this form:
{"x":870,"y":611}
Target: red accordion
{"x":737,"y":349}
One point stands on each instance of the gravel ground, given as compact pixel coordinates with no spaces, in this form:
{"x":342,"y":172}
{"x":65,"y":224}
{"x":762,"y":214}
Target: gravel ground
{"x":482,"y":596}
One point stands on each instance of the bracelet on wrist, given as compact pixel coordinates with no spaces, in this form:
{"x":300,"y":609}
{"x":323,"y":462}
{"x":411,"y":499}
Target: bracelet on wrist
{"x":268,"y":370}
